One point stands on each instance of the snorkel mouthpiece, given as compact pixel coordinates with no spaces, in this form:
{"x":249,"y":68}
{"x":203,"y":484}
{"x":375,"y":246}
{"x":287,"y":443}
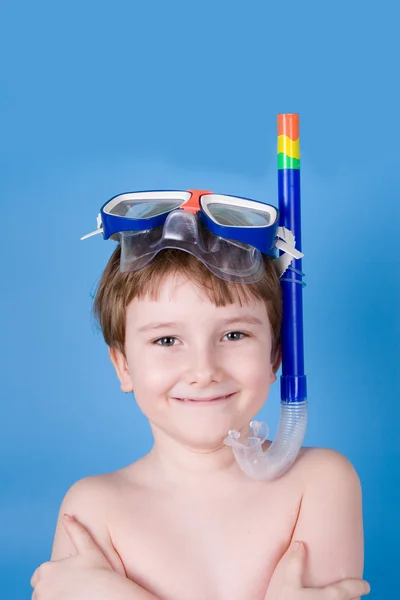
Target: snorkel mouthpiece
{"x":280,"y":456}
{"x":274,"y":462}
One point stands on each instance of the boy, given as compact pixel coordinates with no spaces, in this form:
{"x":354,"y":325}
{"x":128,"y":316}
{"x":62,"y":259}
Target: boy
{"x":184,"y":522}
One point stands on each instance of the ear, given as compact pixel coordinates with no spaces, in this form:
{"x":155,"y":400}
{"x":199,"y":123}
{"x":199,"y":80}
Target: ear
{"x":277,"y":359}
{"x":121,"y":367}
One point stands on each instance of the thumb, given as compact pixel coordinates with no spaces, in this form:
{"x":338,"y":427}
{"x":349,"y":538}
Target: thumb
{"x":295,"y":565}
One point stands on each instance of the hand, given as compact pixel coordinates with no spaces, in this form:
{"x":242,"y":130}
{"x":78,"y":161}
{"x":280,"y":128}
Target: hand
{"x":292,"y":565}
{"x":85,"y":575}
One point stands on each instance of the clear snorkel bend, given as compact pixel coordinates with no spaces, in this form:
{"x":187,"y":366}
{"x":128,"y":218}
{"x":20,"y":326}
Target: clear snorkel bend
{"x":283,"y":451}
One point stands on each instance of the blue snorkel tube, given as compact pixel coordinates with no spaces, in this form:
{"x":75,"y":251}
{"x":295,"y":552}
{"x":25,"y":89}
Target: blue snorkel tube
{"x":283,"y":451}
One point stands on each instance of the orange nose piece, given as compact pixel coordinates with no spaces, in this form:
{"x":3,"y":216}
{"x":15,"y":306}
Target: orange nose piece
{"x":193,"y":204}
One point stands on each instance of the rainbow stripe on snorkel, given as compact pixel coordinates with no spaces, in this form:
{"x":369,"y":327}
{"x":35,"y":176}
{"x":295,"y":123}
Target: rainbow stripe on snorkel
{"x":288,"y":142}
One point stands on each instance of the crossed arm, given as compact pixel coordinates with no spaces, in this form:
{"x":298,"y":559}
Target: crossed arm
{"x":329,"y":525}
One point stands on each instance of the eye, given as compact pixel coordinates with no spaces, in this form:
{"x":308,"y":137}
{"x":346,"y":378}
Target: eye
{"x":234,"y":336}
{"x":166,"y":341}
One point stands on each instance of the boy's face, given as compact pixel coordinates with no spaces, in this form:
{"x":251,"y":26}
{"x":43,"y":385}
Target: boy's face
{"x":181,"y":349}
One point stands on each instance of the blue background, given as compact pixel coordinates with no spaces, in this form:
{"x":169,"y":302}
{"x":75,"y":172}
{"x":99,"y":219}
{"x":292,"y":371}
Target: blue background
{"x":98,"y":98}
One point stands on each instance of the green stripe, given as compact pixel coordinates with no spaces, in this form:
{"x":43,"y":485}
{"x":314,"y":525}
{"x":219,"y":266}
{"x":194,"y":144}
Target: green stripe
{"x":287,"y":162}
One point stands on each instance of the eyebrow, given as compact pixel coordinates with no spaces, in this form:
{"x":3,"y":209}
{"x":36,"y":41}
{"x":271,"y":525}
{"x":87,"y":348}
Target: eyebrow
{"x":247,"y":319}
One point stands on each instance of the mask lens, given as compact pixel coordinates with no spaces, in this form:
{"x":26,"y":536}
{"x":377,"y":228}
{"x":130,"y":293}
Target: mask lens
{"x":144,"y":210}
{"x":224,"y":214}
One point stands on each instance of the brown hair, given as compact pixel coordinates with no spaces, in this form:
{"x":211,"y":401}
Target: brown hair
{"x":116,"y":290}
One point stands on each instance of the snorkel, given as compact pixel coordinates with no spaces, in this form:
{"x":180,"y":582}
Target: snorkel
{"x":283,"y":451}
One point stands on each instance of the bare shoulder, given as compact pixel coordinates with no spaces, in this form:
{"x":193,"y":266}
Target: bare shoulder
{"x":323,"y":464}
{"x":90,"y":492}
{"x":87,"y":500}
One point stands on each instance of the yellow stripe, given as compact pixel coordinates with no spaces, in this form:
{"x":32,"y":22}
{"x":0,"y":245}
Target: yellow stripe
{"x":289,"y":147}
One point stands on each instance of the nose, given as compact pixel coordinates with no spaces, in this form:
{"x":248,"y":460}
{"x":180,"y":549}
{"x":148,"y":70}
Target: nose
{"x":203,"y":367}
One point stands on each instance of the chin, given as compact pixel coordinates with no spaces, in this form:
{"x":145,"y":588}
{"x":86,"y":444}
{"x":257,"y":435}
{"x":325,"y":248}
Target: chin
{"x":206,"y":445}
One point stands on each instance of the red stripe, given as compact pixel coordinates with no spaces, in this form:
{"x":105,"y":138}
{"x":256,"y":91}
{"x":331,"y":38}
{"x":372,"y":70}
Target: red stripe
{"x":288,"y":124}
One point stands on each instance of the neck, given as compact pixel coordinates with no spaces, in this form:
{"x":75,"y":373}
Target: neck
{"x":185,"y":467}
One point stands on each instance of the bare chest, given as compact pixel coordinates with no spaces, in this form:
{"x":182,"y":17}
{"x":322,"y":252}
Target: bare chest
{"x":200,"y":547}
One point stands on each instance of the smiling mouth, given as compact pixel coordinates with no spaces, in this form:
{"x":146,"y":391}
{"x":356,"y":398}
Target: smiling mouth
{"x":204,"y":400}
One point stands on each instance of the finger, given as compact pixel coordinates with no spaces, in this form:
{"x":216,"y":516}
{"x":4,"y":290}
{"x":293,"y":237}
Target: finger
{"x":295,"y":565}
{"x":84,"y":543}
{"x":34,"y":578}
{"x":79,"y":536}
{"x":40,"y":571}
{"x":348,"y":589}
